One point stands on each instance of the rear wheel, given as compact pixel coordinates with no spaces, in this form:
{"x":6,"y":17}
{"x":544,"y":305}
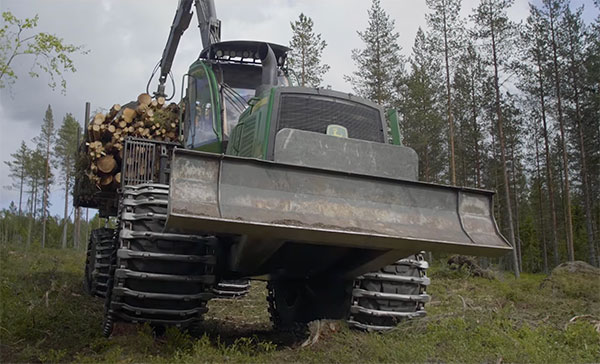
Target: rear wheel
{"x":293,"y":302}
{"x":380,"y":300}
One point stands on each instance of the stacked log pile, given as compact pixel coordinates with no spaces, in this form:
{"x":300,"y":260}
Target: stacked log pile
{"x":145,"y":118}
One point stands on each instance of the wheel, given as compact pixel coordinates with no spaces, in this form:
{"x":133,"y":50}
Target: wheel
{"x":300,"y":301}
{"x":396,"y":292}
{"x":160,"y":278}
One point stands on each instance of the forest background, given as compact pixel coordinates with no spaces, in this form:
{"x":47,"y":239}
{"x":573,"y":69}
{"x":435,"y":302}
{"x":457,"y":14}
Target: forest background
{"x":488,"y":98}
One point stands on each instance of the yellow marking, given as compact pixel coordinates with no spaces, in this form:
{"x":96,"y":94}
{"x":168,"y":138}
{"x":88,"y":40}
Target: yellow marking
{"x":262,"y":101}
{"x":337,"y":131}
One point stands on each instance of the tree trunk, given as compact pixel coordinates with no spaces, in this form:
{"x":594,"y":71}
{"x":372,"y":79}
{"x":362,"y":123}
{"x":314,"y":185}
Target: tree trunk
{"x":540,"y":202}
{"x":77,"y":227}
{"x":21,"y":188}
{"x":515,"y":192}
{"x":449,"y":110}
{"x":511,"y":229}
{"x":45,"y":203}
{"x":475,"y":129}
{"x":549,"y":178}
{"x":31,"y":215}
{"x":65,"y":222}
{"x":567,"y":192}
{"x":583,"y":157}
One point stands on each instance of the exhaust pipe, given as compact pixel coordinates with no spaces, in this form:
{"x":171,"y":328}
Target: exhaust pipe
{"x":269,"y":68}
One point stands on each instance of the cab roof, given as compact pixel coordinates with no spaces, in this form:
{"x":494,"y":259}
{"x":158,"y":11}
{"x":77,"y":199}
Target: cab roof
{"x":242,"y":51}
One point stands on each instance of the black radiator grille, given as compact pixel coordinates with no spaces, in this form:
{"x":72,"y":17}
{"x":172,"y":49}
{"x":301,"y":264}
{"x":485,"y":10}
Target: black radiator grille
{"x":315,"y":112}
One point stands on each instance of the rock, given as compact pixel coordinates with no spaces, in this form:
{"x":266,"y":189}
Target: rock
{"x":469,"y":265}
{"x":577,"y":267}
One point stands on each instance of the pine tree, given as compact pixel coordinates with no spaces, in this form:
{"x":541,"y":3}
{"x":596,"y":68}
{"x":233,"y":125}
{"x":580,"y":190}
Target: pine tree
{"x":45,"y":142}
{"x":419,"y":105}
{"x":379,"y":63}
{"x":553,"y":11}
{"x":35,"y":168}
{"x":469,"y":87}
{"x":66,"y":150}
{"x":496,"y":30}
{"x":535,"y":82}
{"x":591,"y":115}
{"x":307,"y":48}
{"x":446,"y":26}
{"x":573,"y":31}
{"x":17,"y":170}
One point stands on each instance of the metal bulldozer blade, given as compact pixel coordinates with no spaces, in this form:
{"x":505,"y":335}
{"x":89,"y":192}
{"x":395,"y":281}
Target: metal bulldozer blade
{"x":258,"y":199}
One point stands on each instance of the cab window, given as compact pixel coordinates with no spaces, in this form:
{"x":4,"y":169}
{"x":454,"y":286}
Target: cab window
{"x":235,"y":101}
{"x":201,"y":129}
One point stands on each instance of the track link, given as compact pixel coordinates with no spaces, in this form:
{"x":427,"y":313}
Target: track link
{"x":97,"y":265}
{"x":232,"y":288}
{"x":397,"y":292}
{"x":157,"y":277}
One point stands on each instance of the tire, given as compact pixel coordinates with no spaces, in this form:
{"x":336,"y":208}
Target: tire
{"x":382,"y":299}
{"x":298,"y":302}
{"x":160,"y":278}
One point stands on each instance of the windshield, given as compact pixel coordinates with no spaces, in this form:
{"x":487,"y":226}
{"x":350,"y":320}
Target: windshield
{"x":235,"y":101}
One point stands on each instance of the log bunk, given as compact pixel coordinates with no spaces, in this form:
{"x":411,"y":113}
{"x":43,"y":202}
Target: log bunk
{"x":98,"y":168}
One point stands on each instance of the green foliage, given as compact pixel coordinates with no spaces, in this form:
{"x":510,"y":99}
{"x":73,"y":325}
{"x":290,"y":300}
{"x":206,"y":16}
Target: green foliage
{"x":379,"y":63}
{"x":17,"y":170}
{"x":305,"y":57}
{"x":66,"y":145}
{"x":50,"y":54}
{"x":419,"y":101}
{"x":45,"y":316}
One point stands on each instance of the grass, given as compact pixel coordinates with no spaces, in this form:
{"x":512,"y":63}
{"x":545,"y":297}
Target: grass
{"x":46,"y":317}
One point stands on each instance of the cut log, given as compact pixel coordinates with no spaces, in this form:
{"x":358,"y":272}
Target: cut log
{"x":141,"y":109}
{"x":107,"y":164}
{"x":128,"y":115}
{"x":99,"y":119}
{"x":114,"y":110}
{"x":117,"y":178}
{"x":106,"y":181}
{"x":96,"y":135}
{"x":144,"y":99}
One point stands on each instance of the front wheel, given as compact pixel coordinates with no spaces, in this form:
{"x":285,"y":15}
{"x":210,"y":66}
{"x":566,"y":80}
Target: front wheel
{"x":380,"y":300}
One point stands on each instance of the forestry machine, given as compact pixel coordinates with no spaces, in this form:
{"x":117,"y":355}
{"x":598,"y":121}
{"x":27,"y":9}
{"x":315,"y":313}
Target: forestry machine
{"x":302,"y":187}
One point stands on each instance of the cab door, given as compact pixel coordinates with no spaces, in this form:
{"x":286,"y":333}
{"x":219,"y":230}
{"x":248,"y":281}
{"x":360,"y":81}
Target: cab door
{"x":203,"y":111}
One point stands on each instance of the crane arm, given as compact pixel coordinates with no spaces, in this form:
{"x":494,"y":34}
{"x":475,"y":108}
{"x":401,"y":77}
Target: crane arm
{"x":210,"y":31}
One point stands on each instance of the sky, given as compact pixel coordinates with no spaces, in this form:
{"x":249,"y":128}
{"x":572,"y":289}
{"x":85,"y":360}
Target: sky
{"x":125,"y":39}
